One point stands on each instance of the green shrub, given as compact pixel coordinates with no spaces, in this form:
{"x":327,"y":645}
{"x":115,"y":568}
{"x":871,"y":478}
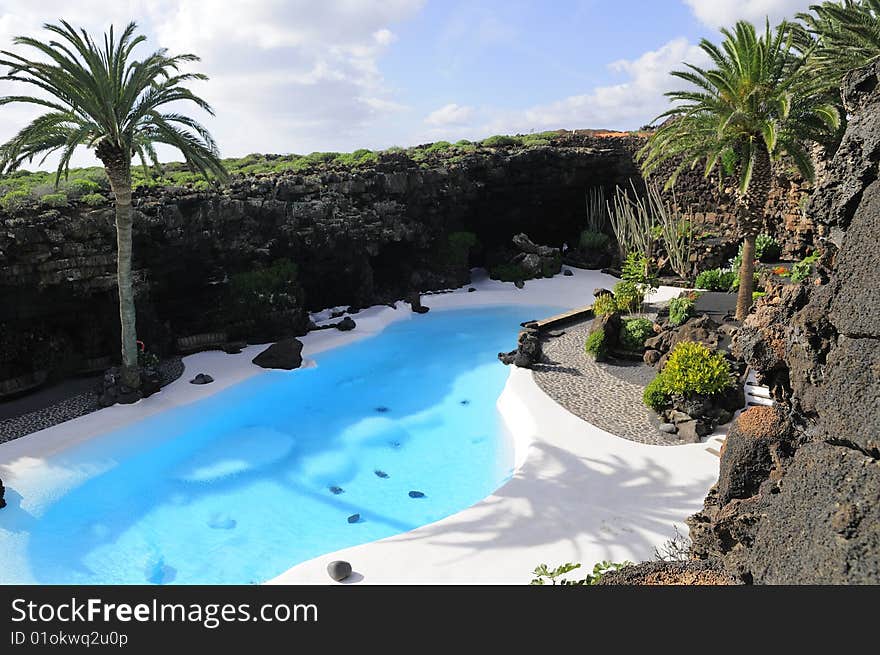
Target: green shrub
{"x":13,"y":200}
{"x":604,"y":305}
{"x":758,"y":294}
{"x":599,"y":570}
{"x":595,"y":345}
{"x":508,"y":273}
{"x":680,"y":310}
{"x":438,"y":146}
{"x":716,"y":279}
{"x":594,"y":240}
{"x":500,"y":141}
{"x":93,"y":199}
{"x":634,"y":332}
{"x":804,"y":268}
{"x":638,"y":270}
{"x":262,"y":293}
{"x":360,"y":157}
{"x":627,"y":296}
{"x":81,"y":186}
{"x":459,"y":247}
{"x":464,"y":142}
{"x":767,"y":249}
{"x":655,"y":395}
{"x":693,"y":369}
{"x":54,"y":200}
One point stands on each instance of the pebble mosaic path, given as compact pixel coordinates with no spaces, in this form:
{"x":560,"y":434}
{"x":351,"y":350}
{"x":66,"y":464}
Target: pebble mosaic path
{"x":71,"y":407}
{"x":606,"y":395}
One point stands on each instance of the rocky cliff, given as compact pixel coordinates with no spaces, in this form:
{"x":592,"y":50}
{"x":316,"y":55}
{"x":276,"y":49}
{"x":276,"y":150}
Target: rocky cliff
{"x":357,"y":237}
{"x":798,"y":498}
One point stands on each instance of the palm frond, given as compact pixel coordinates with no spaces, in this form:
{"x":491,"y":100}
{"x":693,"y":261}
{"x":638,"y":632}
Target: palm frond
{"x":100,"y":95}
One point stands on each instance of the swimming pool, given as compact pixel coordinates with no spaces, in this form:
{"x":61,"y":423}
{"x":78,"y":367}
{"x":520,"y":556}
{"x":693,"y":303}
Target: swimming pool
{"x":384,"y":435}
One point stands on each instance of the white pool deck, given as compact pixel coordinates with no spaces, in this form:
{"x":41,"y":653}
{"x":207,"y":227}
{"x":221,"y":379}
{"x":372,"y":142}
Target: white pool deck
{"x":579,"y":494}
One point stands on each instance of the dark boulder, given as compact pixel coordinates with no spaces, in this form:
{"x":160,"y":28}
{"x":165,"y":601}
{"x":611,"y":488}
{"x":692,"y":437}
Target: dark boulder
{"x":202,"y":378}
{"x":339,"y":570}
{"x":285,"y":355}
{"x":346,"y":324}
{"x":756,"y":444}
{"x":2,"y":494}
{"x":529,"y":350}
{"x":415,"y":303}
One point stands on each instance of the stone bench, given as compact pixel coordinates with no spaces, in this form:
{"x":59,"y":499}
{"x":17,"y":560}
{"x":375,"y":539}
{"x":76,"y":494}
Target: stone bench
{"x":201,"y":342}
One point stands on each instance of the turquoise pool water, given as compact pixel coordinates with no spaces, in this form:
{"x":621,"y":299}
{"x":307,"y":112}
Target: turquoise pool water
{"x":237,"y":488}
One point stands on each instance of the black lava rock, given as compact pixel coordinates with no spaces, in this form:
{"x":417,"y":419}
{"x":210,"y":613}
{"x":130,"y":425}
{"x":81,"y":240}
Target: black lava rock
{"x":519,"y":284}
{"x":202,"y":378}
{"x":354,"y":518}
{"x":382,"y":409}
{"x":381,"y":474}
{"x":567,"y":273}
{"x":415,"y":302}
{"x":337,"y":490}
{"x":471,"y":290}
{"x":285,"y":355}
{"x":416,"y":494}
{"x":339,"y":570}
{"x":346,"y":324}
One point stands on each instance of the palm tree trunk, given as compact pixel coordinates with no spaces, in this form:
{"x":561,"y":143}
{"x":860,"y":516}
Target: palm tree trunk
{"x":751,"y":220}
{"x":746,"y":277}
{"x":120,"y":183}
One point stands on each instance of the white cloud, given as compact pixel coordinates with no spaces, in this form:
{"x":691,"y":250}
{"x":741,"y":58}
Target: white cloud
{"x":451,"y":114}
{"x":627,"y":105}
{"x":724,"y":13}
{"x":286,"y":75}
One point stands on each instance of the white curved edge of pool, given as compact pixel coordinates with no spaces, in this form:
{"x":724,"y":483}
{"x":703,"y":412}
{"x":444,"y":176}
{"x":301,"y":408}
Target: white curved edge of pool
{"x":500,"y":539}
{"x":580,"y":495}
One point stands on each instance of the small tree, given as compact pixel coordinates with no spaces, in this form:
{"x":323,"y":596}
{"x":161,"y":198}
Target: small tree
{"x":758,"y":103}
{"x":100,"y":97}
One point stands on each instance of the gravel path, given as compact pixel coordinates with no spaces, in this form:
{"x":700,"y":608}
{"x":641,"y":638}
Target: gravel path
{"x":607,"y":395}
{"x":78,"y":404}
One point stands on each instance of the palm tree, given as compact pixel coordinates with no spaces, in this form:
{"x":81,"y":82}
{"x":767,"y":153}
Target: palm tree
{"x":102,"y":98}
{"x":757,"y":104}
{"x":848,"y":33}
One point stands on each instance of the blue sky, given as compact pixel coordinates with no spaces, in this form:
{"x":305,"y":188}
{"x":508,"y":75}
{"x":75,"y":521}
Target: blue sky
{"x":304,"y":75}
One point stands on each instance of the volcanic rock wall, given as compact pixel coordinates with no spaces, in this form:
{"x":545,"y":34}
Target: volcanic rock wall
{"x":357,"y":237}
{"x":798,"y":499}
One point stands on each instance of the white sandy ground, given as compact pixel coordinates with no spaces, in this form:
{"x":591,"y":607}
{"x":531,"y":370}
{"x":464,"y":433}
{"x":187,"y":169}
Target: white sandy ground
{"x":578,"y":493}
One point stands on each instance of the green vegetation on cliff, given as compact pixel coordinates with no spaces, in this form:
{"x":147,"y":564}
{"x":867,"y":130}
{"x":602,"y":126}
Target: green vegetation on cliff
{"x":83,"y":184}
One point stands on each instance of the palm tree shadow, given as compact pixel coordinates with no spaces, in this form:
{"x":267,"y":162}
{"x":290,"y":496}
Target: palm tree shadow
{"x":558,"y":497}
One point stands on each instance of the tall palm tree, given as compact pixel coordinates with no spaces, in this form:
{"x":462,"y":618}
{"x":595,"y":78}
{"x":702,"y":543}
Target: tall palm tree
{"x":757,"y":104}
{"x":848,"y":33}
{"x":100,"y":97}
